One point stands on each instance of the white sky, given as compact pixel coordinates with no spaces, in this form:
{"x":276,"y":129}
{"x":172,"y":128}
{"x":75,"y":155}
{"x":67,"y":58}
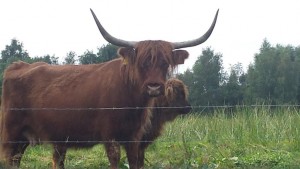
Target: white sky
{"x":58,"y":26}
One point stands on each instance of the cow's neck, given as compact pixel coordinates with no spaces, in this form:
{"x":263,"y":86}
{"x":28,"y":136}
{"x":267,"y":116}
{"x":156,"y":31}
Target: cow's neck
{"x":138,"y":99}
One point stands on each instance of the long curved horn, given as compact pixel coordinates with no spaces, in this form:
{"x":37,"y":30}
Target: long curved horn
{"x":194,"y":42}
{"x":111,"y":39}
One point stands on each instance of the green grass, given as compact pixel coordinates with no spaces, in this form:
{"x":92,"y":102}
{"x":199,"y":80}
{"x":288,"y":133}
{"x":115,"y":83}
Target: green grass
{"x":250,"y":138}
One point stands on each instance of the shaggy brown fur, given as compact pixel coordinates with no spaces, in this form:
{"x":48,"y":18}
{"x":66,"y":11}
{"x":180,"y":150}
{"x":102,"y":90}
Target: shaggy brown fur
{"x":147,"y":54}
{"x":52,"y":103}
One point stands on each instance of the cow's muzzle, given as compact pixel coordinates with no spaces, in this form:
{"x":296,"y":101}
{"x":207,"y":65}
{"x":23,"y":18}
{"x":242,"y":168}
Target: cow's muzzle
{"x":154,"y":90}
{"x":187,"y":109}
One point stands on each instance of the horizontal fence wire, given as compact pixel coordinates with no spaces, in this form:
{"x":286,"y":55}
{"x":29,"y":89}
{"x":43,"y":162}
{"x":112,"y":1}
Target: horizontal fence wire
{"x":141,"y":108}
{"x":72,"y":142}
{"x":95,"y":109}
{"x":38,"y":141}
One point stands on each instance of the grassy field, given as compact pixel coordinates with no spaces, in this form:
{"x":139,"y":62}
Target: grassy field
{"x":250,"y":138}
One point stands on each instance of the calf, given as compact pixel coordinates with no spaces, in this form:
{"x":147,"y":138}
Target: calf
{"x":163,"y":109}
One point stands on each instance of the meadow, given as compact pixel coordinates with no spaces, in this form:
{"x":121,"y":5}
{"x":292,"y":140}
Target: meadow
{"x":248,"y":137}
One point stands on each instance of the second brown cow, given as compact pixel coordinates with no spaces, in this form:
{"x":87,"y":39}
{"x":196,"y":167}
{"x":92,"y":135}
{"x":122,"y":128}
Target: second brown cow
{"x":163,"y":109}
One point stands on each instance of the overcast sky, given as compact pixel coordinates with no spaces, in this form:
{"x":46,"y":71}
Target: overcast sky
{"x":58,"y":26}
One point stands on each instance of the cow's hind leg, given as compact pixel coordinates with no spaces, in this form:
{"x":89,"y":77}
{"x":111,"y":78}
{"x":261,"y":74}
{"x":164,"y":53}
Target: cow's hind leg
{"x":113,"y":153}
{"x":59,"y":156}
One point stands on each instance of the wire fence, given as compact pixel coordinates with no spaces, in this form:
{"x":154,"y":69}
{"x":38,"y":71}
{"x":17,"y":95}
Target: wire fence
{"x":162,"y":107}
{"x":73,"y":142}
{"x":32,"y":140}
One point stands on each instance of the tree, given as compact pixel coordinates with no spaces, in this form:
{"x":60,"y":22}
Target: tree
{"x":107,"y":52}
{"x":46,"y":58}
{"x":13,"y":52}
{"x":207,"y":75}
{"x":296,"y":58}
{"x":233,"y":89}
{"x":70,"y":58}
{"x":187,"y":77}
{"x":274,"y":76}
{"x":88,"y":58}
{"x":54,"y":60}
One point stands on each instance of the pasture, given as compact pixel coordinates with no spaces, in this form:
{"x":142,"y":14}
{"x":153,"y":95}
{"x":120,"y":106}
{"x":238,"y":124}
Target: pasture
{"x":252,"y":137}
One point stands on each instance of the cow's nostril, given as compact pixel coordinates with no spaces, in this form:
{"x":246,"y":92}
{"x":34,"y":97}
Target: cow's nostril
{"x":154,"y":84}
{"x":156,"y":87}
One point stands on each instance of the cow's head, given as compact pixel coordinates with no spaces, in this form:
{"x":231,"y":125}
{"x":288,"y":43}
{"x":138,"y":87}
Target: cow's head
{"x":176,"y":95}
{"x":147,"y":62}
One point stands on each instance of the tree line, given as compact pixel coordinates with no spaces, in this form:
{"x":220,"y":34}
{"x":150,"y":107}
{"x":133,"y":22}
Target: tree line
{"x":273,"y":77}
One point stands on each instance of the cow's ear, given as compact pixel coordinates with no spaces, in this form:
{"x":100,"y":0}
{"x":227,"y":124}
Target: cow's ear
{"x":126,"y":53}
{"x":179,"y":56}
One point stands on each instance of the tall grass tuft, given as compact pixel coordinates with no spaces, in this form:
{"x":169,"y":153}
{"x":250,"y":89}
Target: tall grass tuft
{"x":254,"y":136}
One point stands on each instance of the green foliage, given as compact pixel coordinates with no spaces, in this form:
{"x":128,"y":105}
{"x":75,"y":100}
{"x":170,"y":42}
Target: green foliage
{"x":187,"y":77}
{"x":70,"y":59}
{"x":206,"y":78}
{"x":13,"y":52}
{"x":274,"y":76}
{"x":105,"y":53}
{"x":234,"y":88}
{"x":88,"y":58}
{"x":47,"y":58}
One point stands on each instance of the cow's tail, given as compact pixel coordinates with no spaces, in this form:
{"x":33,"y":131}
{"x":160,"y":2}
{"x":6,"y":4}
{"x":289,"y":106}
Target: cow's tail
{"x":1,"y":129}
{"x":1,"y":120}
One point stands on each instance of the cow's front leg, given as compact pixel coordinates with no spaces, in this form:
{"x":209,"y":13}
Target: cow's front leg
{"x":132,"y":154}
{"x":12,"y":151}
{"x":113,"y":153}
{"x":141,"y":157}
{"x":59,"y":155}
